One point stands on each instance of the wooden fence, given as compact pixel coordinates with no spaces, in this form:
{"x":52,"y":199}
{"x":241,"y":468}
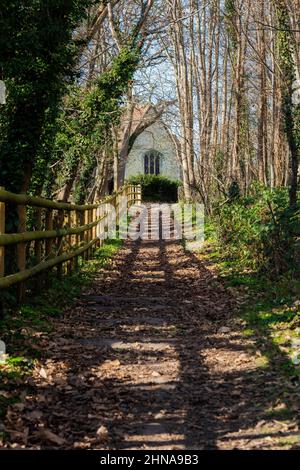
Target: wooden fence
{"x":59,"y":233}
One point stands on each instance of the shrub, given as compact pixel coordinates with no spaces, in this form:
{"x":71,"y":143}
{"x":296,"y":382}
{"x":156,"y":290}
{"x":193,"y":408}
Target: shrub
{"x":157,"y":188}
{"x":260,"y":230}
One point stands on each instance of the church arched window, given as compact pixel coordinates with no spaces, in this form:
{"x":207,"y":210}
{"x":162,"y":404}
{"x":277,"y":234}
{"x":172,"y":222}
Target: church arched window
{"x":152,"y":163}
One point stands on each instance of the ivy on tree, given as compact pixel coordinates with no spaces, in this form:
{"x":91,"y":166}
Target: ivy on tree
{"x":37,"y":55}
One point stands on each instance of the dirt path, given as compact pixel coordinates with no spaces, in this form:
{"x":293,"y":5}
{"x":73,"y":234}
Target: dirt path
{"x":145,"y":361}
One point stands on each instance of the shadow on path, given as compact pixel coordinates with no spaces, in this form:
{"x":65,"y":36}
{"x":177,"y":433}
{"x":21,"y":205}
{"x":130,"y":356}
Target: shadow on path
{"x":144,"y":362}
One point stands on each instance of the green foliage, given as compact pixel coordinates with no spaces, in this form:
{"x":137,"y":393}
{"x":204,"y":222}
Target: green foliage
{"x":87,"y":118}
{"x":89,"y":162}
{"x":102,"y":103}
{"x":268,"y":308}
{"x":234,"y":191}
{"x":157,"y":188}
{"x":260,"y":231}
{"x":37,"y":55}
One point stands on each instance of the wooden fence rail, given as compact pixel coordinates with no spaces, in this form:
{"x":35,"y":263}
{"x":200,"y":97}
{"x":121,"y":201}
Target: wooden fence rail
{"x":60,"y":233}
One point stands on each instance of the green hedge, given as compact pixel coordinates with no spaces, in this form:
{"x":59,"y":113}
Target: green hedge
{"x":157,"y":188}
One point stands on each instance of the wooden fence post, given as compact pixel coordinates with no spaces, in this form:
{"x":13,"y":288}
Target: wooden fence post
{"x":21,"y":252}
{"x":86,"y":233}
{"x":101,"y":213}
{"x":38,"y":245}
{"x":95,"y":217}
{"x":77,"y":219}
{"x":49,"y":242}
{"x":128,"y":195}
{"x":2,"y":231}
{"x":73,"y":239}
{"x":2,"y":250}
{"x":91,"y":212}
{"x":70,"y":241}
{"x":48,"y":226}
{"x":131,"y":195}
{"x":117,"y":207}
{"x":60,"y":223}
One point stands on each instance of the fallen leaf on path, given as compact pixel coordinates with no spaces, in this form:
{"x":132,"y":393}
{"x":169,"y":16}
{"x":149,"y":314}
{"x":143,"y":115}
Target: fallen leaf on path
{"x":155,"y":374}
{"x":224,"y":329}
{"x":43,"y":373}
{"x":34,"y":415}
{"x":49,"y":436}
{"x":109,"y":364}
{"x":19,"y":436}
{"x":102,"y":432}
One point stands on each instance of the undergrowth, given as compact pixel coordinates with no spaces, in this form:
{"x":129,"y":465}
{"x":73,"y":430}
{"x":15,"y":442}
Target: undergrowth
{"x":260,"y":231}
{"x":268,"y":315}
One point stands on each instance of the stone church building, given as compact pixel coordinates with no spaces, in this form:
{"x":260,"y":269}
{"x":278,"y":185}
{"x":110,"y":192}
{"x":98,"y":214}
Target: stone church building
{"x":153,"y":153}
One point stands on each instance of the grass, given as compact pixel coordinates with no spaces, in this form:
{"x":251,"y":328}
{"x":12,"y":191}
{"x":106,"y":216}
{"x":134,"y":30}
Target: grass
{"x":269,"y":309}
{"x":23,"y":326}
{"x":268,"y":312}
